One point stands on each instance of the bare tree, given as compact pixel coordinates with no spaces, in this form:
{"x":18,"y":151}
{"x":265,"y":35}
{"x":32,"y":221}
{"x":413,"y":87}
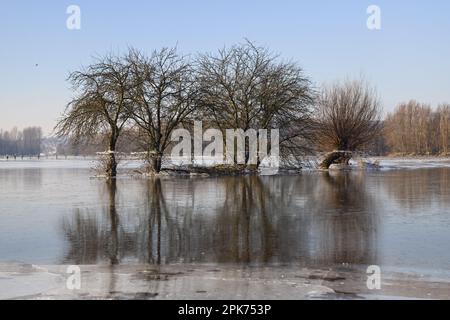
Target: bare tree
{"x":101,"y":105}
{"x":163,"y":97}
{"x":348,"y":117}
{"x":246,"y":87}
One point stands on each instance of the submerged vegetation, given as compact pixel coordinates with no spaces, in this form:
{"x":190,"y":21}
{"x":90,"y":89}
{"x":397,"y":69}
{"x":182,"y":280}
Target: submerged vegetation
{"x":243,"y":87}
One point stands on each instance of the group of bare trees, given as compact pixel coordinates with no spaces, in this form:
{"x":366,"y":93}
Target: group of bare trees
{"x":148,"y":95}
{"x":241,"y":87}
{"x":26,"y":142}
{"x":417,"y":129}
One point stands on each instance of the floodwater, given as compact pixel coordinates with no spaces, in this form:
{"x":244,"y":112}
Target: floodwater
{"x":53,"y":212}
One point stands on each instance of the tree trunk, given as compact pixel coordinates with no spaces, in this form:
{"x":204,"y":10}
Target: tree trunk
{"x":111,"y":170}
{"x":156,"y":162}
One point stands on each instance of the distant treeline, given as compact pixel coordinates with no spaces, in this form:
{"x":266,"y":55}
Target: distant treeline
{"x":26,"y":142}
{"x":412,"y":129}
{"x":417,"y":129}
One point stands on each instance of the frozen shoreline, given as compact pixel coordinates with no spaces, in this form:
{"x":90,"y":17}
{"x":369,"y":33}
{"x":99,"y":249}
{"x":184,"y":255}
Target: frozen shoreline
{"x":24,"y":281}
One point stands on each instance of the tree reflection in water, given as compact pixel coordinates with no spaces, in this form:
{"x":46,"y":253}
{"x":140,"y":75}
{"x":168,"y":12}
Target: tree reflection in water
{"x":310,"y":219}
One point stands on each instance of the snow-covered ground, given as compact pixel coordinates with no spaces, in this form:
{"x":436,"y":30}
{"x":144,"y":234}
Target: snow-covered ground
{"x":144,"y":282}
{"x":147,"y":282}
{"x":386,"y":163}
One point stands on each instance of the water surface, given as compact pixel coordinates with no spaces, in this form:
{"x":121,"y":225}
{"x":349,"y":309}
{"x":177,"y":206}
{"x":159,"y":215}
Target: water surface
{"x":52,"y":212}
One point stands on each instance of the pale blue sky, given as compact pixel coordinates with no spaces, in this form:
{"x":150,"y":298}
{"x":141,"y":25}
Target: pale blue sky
{"x":409,"y":58}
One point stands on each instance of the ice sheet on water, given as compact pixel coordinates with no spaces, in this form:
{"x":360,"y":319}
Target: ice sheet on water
{"x":44,"y":164}
{"x":413,"y":163}
{"x":74,"y":163}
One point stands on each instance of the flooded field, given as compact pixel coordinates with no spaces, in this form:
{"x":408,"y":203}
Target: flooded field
{"x":245,"y":229}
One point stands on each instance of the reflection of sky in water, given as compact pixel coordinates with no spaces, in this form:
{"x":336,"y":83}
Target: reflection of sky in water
{"x":395,"y":218}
